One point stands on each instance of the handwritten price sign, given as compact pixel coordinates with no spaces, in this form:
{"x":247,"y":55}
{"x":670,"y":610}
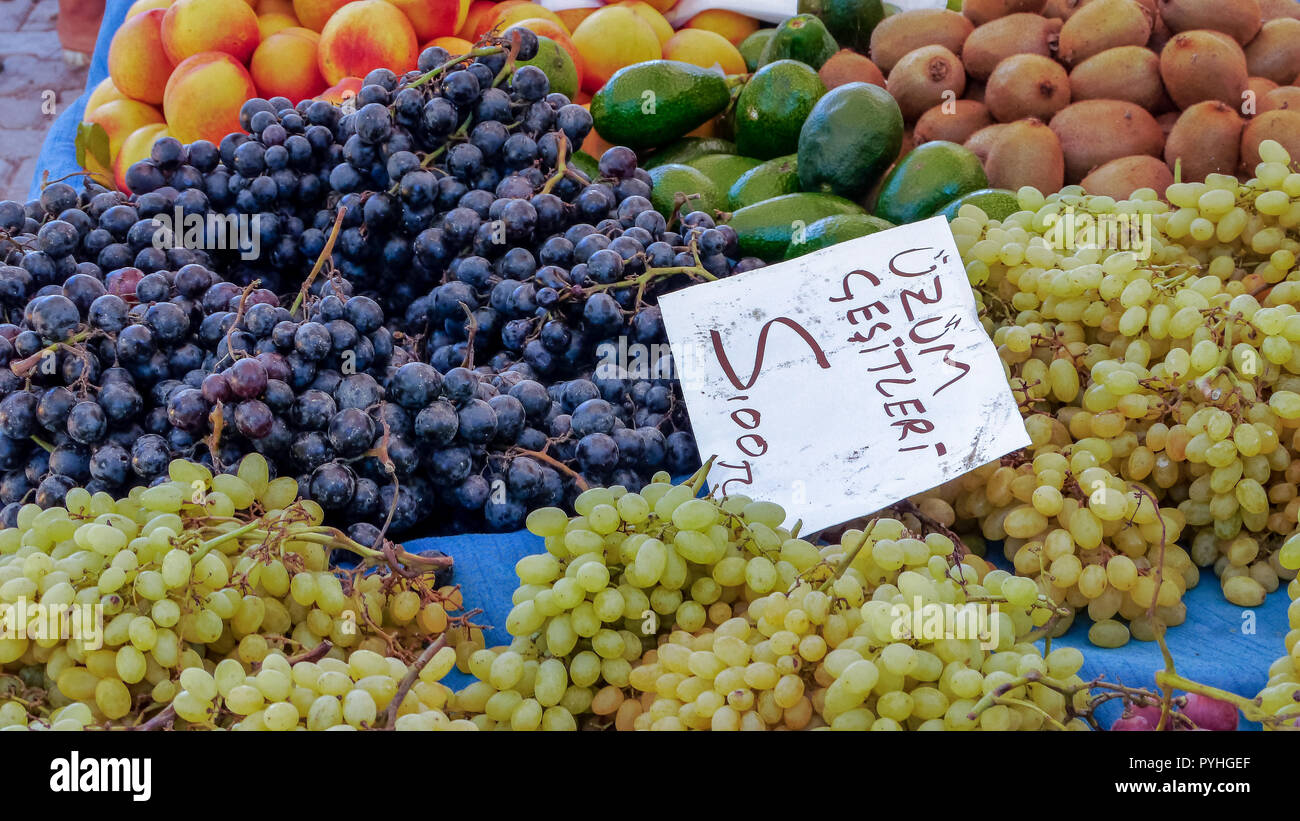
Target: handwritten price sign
{"x":842,"y":381}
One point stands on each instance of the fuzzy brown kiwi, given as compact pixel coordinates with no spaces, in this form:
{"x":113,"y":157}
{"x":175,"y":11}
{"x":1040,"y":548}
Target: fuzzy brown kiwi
{"x":898,"y":34}
{"x":1060,"y":9}
{"x":1282,"y":125}
{"x":1026,"y":153}
{"x":952,"y":121}
{"x":1129,"y":73}
{"x":1206,"y":139}
{"x":1258,"y":88}
{"x":920,"y":80}
{"x":981,"y":142}
{"x":1203,"y":65}
{"x":1273,"y":9}
{"x":1160,"y":35}
{"x":1101,"y":25}
{"x":1238,"y":18}
{"x":847,"y":66}
{"x":993,"y":42}
{"x":1120,"y":177}
{"x":1282,"y":98}
{"x":1093,"y":132}
{"x":1275,"y":51}
{"x":980,"y":12}
{"x":1027,"y":85}
{"x":1167,"y":122}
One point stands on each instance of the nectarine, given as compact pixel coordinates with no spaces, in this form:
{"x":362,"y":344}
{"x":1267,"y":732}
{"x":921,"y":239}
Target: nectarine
{"x":285,"y":65}
{"x":365,"y":35}
{"x":204,"y":95}
{"x":136,"y":61}
{"x":192,"y":26}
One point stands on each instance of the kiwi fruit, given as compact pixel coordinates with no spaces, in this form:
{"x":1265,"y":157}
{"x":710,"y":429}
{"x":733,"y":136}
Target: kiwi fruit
{"x":1206,"y":139}
{"x":981,"y":142}
{"x":847,"y":66}
{"x":982,"y":11}
{"x":1238,"y":18}
{"x":1281,"y":98}
{"x":1120,"y":177}
{"x":1203,"y":65}
{"x":922,"y":78}
{"x":1160,"y":35}
{"x":1101,"y":25}
{"x":1258,"y":88}
{"x":1282,"y":125}
{"x":1094,"y":132}
{"x":952,"y":121}
{"x":1026,"y":153}
{"x":993,"y":42}
{"x":898,"y":34}
{"x":1166,"y":122}
{"x":1275,"y":51}
{"x":1027,"y":85}
{"x":1275,"y":9}
{"x":1060,"y":9}
{"x":1129,"y":73}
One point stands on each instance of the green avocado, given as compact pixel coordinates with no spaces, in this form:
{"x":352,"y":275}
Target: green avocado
{"x":927,"y":178}
{"x":996,"y":203}
{"x":687,"y":149}
{"x":653,"y":103}
{"x":766,"y":228}
{"x":772,"y":108}
{"x":833,"y":230}
{"x":803,"y":38}
{"x":850,"y":22}
{"x":849,"y":140}
{"x":773,"y":178}
{"x":667,"y":181}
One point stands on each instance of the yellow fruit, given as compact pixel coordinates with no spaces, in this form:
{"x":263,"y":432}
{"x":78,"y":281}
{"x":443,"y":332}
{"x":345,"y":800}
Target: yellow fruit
{"x":610,"y":39}
{"x":735,"y":27}
{"x":706,"y":49}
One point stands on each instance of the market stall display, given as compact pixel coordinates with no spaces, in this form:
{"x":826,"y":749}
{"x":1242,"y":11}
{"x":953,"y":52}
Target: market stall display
{"x":412,"y":293}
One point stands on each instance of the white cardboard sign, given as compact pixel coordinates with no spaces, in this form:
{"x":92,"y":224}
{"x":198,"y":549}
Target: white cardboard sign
{"x":847,"y":379}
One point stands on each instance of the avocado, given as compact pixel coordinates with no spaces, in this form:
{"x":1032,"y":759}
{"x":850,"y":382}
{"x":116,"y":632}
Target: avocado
{"x":558,"y":66}
{"x":996,"y":203}
{"x":765,"y":228}
{"x":927,"y":178}
{"x":751,"y":48}
{"x":803,"y":38}
{"x":687,"y":149}
{"x":850,"y":138}
{"x":772,"y":108}
{"x":850,"y":22}
{"x":652,"y":103}
{"x":833,"y":230}
{"x":669,"y":180}
{"x":773,"y":178}
{"x":723,"y":169}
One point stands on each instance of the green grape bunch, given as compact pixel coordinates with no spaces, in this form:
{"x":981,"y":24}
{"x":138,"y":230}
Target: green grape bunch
{"x":217,"y":609}
{"x":1160,"y":386}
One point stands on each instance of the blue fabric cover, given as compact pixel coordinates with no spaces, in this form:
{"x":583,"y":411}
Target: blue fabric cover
{"x":59,"y":153}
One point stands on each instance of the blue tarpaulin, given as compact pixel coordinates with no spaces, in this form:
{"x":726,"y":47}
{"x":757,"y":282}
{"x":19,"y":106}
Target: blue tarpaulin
{"x":1215,"y":646}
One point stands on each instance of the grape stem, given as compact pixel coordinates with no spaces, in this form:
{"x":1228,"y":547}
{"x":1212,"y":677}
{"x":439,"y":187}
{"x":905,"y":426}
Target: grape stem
{"x":433,"y":74}
{"x":555,"y":463}
{"x":162,"y":721}
{"x":320,"y":261}
{"x":46,"y":446}
{"x":22,"y":366}
{"x":651,"y":274}
{"x":390,"y":718}
{"x":561,"y":164}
